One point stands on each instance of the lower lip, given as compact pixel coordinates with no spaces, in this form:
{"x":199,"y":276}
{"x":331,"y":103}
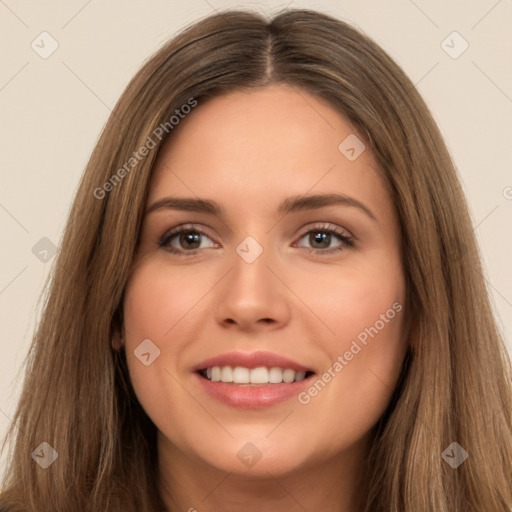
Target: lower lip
{"x":252,"y":396}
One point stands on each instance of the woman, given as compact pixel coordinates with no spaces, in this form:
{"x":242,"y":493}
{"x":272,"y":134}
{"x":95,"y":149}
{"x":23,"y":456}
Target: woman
{"x":268,"y":295}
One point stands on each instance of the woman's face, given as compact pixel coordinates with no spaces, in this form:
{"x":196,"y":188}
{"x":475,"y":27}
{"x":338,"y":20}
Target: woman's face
{"x":297,"y":266}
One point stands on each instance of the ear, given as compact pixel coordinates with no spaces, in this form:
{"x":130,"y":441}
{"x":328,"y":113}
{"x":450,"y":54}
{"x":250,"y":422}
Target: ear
{"x":410,"y":333}
{"x":117,"y":341}
{"x":118,"y":332}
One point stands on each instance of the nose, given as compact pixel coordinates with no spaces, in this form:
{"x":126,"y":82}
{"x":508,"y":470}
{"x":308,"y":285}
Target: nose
{"x":252,"y":297}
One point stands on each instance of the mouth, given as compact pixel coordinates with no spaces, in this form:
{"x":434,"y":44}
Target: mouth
{"x":262,"y":375}
{"x":252,"y":380}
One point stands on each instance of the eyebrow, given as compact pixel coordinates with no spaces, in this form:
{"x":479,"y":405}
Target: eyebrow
{"x":289,"y":205}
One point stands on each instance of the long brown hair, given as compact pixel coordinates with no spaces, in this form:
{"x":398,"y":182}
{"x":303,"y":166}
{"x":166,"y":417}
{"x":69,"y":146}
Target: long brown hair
{"x":456,"y":381}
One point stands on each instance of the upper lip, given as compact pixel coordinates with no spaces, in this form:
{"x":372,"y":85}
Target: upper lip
{"x":251,"y":360}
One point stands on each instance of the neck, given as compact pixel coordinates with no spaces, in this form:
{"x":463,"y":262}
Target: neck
{"x":331,"y":485}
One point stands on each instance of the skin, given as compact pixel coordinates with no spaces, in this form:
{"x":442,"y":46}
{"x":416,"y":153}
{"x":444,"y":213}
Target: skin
{"x":248,"y":152}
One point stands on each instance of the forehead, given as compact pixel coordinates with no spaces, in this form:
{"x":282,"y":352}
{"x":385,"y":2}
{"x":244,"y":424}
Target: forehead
{"x":257,"y":147}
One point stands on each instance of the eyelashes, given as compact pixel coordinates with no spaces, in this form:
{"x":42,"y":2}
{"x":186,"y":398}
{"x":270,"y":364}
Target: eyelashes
{"x":193,"y":235}
{"x":165,"y":241}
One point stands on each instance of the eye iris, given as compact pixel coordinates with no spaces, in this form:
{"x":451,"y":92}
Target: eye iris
{"x":190,"y":237}
{"x":320,"y":238}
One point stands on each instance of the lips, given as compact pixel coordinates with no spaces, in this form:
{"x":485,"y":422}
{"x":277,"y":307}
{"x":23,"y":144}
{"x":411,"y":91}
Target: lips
{"x":251,"y":360}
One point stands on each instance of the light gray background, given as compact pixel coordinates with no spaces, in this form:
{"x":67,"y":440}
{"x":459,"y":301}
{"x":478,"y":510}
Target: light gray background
{"x":53,"y":109}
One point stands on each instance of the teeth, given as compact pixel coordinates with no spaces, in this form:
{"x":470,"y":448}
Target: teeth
{"x":226,"y":374}
{"x":240,"y":375}
{"x":289,"y":375}
{"x":216,"y":373}
{"x":260,"y":375}
{"x":275,"y":375}
{"x":300,"y":376}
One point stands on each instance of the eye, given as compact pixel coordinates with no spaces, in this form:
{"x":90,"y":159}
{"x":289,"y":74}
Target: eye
{"x":321,"y":237}
{"x":188,"y":239}
{"x":185,"y":239}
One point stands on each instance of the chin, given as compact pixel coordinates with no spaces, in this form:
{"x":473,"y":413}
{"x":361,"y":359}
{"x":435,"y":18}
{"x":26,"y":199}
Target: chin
{"x":255,"y":457}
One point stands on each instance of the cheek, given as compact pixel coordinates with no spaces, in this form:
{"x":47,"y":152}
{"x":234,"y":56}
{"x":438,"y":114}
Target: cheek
{"x":159,"y":304}
{"x":364,"y":310}
{"x":351,"y":301}
{"x":157,"y":298}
